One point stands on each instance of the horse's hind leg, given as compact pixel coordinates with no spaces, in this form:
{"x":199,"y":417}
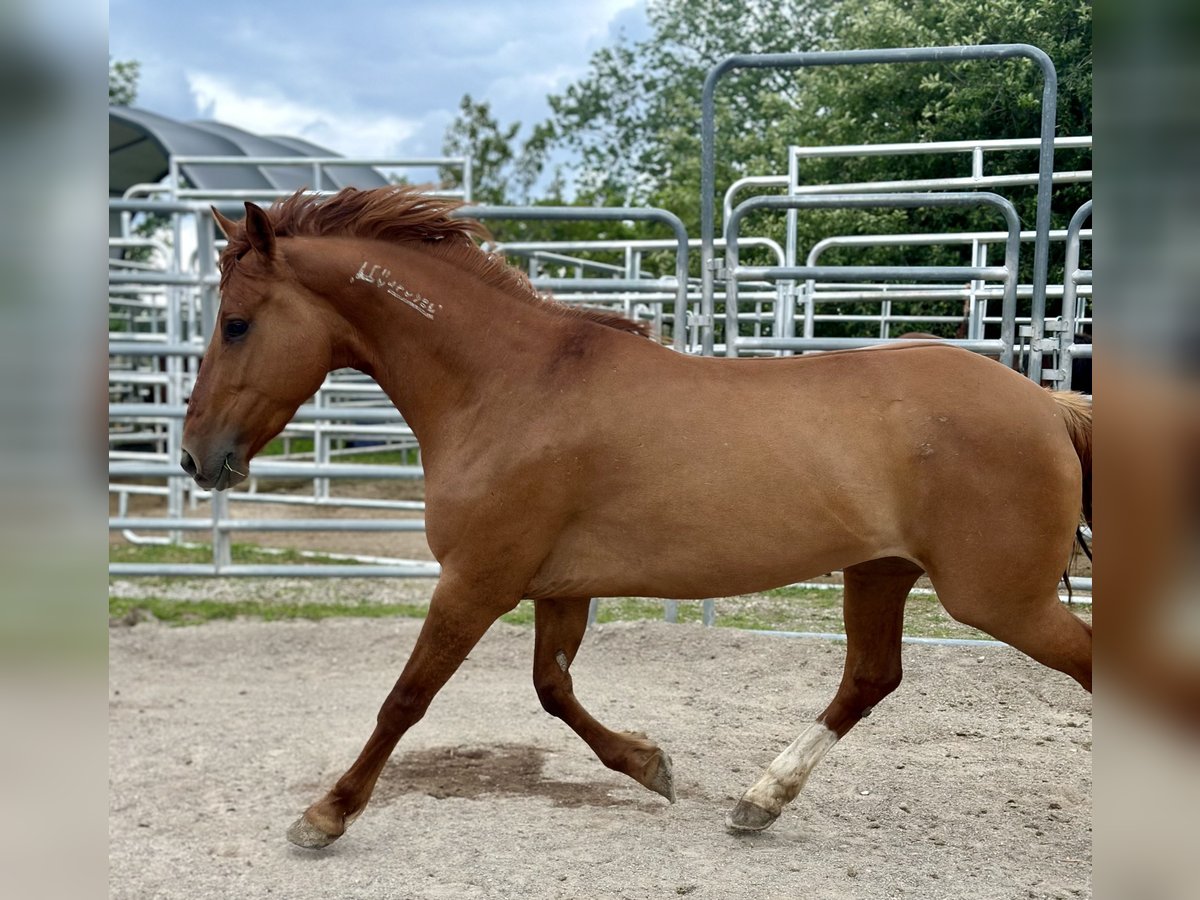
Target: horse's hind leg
{"x":1033,"y":621}
{"x":873,"y":611}
{"x":457,"y":619}
{"x":559,"y":628}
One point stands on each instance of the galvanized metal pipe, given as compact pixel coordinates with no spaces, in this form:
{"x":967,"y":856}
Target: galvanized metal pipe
{"x":861,"y":201}
{"x":872,"y":57}
{"x":1071,"y":280}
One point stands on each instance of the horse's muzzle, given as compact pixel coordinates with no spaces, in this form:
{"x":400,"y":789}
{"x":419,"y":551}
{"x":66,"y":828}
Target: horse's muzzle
{"x":187,"y":463}
{"x":219,"y":476}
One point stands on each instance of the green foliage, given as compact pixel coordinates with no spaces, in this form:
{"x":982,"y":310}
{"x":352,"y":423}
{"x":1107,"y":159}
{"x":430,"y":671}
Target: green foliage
{"x":123,"y":81}
{"x":630,"y":125}
{"x":476,"y":133}
{"x":633,"y":119}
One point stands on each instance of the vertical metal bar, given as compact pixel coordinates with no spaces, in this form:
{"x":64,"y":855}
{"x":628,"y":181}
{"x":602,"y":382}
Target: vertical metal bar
{"x":793,"y":223}
{"x":671,"y":611}
{"x":731,"y":292}
{"x":1008,"y":310}
{"x":1041,"y":241}
{"x":221,"y":550}
{"x":708,"y":179}
{"x":709,"y":613}
{"x":207,"y":263}
{"x":866,"y":57}
{"x":174,"y":393}
{"x":321,"y":455}
{"x":468,"y":175}
{"x":974,"y":327}
{"x":1070,"y":290}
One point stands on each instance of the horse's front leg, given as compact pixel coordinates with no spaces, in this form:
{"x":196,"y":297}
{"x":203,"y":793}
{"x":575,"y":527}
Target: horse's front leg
{"x":458,"y":616}
{"x":873,"y":611}
{"x":558,"y":631}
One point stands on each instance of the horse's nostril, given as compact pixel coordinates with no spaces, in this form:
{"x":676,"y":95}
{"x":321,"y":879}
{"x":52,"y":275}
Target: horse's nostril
{"x":186,"y":461}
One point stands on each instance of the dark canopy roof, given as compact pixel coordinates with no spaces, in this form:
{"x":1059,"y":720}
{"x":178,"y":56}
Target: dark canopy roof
{"x":139,"y":143}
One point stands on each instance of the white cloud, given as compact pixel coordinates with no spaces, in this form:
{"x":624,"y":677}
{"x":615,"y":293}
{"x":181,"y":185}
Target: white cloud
{"x":266,"y":110}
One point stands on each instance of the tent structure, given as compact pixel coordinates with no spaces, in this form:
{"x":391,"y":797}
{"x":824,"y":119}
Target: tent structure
{"x":141,"y":142}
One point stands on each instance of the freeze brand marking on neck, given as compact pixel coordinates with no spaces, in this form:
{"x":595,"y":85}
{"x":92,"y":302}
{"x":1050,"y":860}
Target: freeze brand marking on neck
{"x":381,"y":278}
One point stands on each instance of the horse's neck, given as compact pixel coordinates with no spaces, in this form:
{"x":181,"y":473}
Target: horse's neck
{"x":435,"y":336}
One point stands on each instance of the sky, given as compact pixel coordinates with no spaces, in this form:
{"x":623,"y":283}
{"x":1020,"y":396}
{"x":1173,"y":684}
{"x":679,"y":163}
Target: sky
{"x":364,"y":78}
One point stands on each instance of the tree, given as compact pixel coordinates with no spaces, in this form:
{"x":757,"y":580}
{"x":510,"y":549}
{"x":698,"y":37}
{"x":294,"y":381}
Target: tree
{"x":123,"y":82}
{"x":505,"y":171}
{"x":929,"y":102}
{"x":630,"y":125}
{"x":475,"y":133}
{"x":633,"y":120}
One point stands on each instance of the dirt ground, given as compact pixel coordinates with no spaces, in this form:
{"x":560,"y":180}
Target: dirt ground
{"x":972,"y":781}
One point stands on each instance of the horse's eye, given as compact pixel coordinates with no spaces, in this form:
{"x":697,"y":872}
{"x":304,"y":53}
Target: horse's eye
{"x":235,"y":328}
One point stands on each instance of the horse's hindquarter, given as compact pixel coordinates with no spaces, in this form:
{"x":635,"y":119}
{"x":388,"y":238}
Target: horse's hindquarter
{"x":713,"y":477}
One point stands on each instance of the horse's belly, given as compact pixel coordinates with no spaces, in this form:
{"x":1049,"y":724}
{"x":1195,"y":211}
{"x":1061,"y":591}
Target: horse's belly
{"x":700,"y":556}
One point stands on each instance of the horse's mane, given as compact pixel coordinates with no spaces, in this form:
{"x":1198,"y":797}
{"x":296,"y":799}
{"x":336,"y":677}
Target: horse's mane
{"x":402,"y":214}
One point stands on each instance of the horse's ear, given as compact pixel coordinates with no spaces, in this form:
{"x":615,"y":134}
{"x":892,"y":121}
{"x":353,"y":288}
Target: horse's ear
{"x":259,"y":231}
{"x":226,"y":224}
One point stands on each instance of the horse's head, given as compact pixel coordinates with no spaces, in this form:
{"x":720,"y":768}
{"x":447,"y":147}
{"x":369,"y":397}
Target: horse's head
{"x":270,"y":350}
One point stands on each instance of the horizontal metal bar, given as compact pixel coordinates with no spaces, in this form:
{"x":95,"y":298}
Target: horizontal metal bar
{"x":834,"y":636}
{"x":169,"y":278}
{"x":945,"y":184}
{"x":310,"y":161}
{"x":306,"y":413}
{"x":208,"y":570}
{"x":985,"y":347}
{"x":306,"y":500}
{"x":924,"y":147}
{"x":947,"y":237}
{"x":621,"y":285}
{"x":260,"y":469}
{"x":153,"y":348}
{"x":135,"y":523}
{"x":864,"y":273}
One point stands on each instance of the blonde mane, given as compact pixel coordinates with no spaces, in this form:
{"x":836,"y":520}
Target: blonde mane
{"x":402,"y":214}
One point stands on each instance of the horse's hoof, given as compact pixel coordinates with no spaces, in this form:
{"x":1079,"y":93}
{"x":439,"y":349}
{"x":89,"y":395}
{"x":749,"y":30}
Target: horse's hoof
{"x":304,"y":833}
{"x":663,"y":780}
{"x":749,"y":817}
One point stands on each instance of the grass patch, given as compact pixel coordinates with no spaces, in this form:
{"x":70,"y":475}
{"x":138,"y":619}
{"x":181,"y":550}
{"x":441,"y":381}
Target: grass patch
{"x":381,"y":458}
{"x":278,"y":446}
{"x":247,"y":554}
{"x":783,"y":609}
{"x":196,"y":612}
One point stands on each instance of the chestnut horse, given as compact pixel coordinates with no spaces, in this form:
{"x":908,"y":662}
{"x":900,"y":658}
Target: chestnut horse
{"x":568,"y":457}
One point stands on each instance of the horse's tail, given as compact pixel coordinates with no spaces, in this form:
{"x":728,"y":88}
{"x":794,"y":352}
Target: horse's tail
{"x":1077,"y":415}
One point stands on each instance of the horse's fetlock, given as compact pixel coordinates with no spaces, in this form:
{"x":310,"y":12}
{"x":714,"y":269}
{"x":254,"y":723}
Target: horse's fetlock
{"x":874,"y":687}
{"x":400,"y":711}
